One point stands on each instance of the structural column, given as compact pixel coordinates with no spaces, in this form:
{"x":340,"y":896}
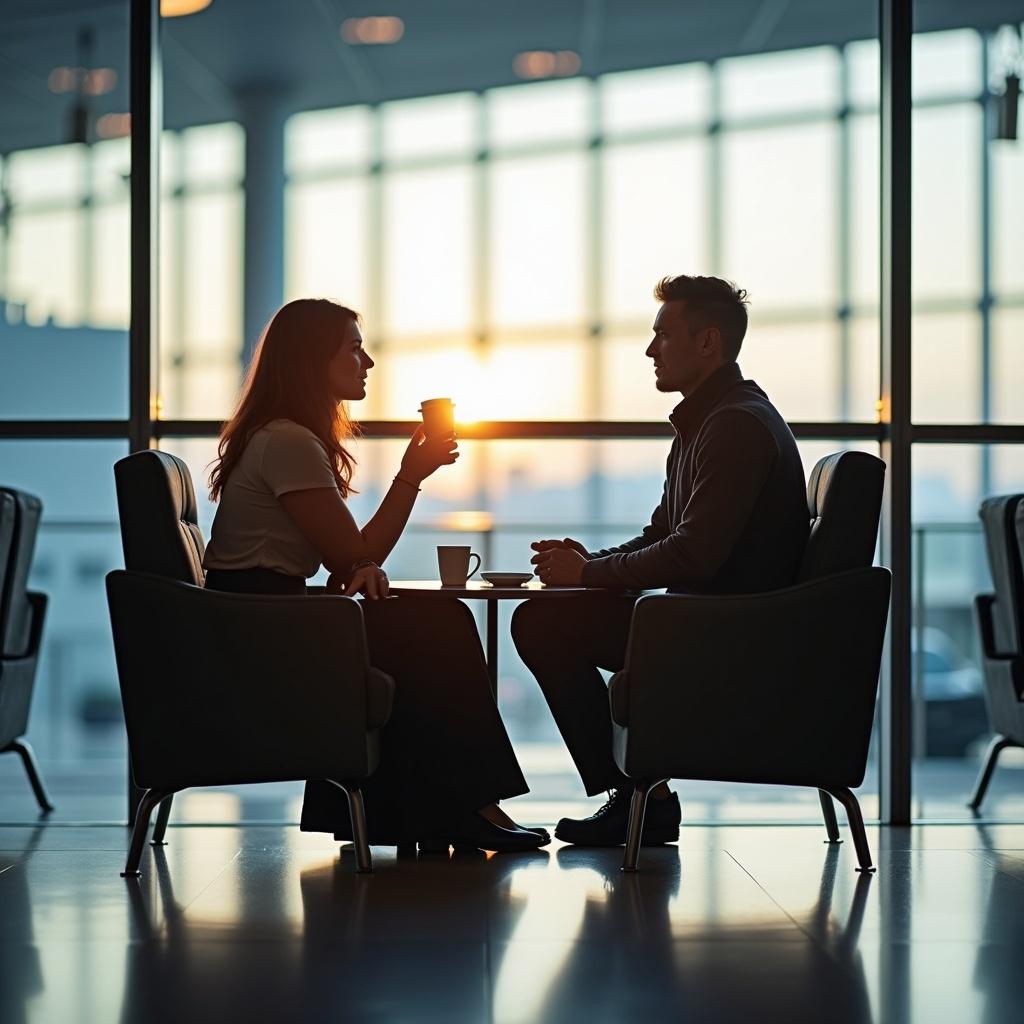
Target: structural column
{"x":263,"y":114}
{"x":895,"y":32}
{"x":147,"y":120}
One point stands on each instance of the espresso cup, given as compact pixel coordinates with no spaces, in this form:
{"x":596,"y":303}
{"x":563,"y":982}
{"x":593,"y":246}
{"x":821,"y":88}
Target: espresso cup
{"x":453,"y":564}
{"x":438,"y":416}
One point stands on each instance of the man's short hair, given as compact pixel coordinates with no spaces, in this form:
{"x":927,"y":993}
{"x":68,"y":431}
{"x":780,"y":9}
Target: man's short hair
{"x":710,"y":302}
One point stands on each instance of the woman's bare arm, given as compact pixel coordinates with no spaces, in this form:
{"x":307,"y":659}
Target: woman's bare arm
{"x":324,"y":519}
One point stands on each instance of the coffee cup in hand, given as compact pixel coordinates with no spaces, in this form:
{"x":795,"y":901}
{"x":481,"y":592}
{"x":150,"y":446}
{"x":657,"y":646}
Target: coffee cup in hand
{"x":438,"y":416}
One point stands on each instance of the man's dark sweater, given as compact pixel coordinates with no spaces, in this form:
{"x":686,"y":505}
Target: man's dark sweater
{"x":733,"y":517}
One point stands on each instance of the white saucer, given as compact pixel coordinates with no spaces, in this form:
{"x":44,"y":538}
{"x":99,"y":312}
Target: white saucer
{"x":507,"y":579}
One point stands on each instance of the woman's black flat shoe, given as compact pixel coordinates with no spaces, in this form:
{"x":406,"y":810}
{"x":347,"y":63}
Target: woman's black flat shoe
{"x":478,"y":834}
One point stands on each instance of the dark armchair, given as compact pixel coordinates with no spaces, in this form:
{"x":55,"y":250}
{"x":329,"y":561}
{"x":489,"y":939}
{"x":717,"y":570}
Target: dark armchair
{"x":776,"y":688}
{"x":22,"y":613}
{"x":224,"y":689}
{"x":1000,"y":621}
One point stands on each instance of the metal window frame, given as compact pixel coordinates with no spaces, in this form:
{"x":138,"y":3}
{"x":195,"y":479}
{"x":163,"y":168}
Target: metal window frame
{"x":895,"y":433}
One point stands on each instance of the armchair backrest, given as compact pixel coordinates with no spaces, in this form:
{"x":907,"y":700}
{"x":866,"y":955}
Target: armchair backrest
{"x":844,"y":500}
{"x":1003,"y":521}
{"x":156,"y":504}
{"x":20,"y":513}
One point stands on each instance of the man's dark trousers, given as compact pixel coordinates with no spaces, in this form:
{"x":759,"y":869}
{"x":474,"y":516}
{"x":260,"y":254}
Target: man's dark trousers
{"x":564,"y":643}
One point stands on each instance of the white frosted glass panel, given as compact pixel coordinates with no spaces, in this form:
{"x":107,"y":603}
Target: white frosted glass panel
{"x":427,"y":250}
{"x":946,"y":64}
{"x":945,"y":220}
{"x":111,"y":266}
{"x":654,"y":204}
{"x":779,"y":213}
{"x":864,"y":369}
{"x":200,"y":391}
{"x":319,"y":139}
{"x":864,"y":210}
{"x":533,"y":380}
{"x":213,"y":273}
{"x":946,"y":373}
{"x":537,"y":262}
{"x":214,"y":154}
{"x":404,"y":377}
{"x":325,"y":242}
{"x":655,"y":98}
{"x":45,"y":268}
{"x":1008,"y":365}
{"x":1007,"y":216}
{"x":54,"y":172}
{"x":543,"y":112}
{"x":773,"y":82}
{"x":628,"y":390}
{"x":863,"y":71}
{"x":429,"y":126}
{"x":170,"y":161}
{"x":111,"y":166}
{"x":946,"y":486}
{"x":797,"y":365}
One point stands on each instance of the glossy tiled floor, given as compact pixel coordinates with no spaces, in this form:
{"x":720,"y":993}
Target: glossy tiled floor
{"x":263,"y":923}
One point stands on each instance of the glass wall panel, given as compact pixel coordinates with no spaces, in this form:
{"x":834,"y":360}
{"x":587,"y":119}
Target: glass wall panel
{"x":64,"y":265}
{"x":653,"y":98}
{"x":779,"y":215}
{"x":75,"y":725}
{"x":326,"y":240}
{"x":323,"y":140}
{"x":1007,"y":218}
{"x":654,"y":217}
{"x":946,"y":378}
{"x":951,"y":725}
{"x":428,"y":236}
{"x":430,"y":126}
{"x":537,"y":215}
{"x":1008,"y":365}
{"x":541,"y":112}
{"x":946,"y":227}
{"x":773,"y":83}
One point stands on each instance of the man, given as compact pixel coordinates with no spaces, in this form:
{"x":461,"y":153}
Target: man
{"x":732,"y":519}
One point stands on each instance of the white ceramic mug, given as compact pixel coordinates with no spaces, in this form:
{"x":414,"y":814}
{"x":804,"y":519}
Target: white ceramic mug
{"x":453,"y":564}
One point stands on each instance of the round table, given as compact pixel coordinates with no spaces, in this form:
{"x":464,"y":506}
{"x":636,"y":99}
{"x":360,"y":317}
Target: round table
{"x":434,"y":590}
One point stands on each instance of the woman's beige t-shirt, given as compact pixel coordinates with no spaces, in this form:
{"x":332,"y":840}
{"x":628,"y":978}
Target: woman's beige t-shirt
{"x":251,"y":528}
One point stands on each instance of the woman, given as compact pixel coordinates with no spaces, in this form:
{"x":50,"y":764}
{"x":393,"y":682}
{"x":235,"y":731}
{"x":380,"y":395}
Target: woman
{"x":281,"y":478}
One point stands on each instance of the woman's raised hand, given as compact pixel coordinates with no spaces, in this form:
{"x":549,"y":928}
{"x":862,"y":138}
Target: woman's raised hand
{"x":425,"y":455}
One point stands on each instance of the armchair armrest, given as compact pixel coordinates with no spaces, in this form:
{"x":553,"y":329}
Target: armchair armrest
{"x":712,"y":684}
{"x":38,"y":603}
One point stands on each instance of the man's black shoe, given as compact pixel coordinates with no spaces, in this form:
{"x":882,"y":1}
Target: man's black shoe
{"x":608,"y":826}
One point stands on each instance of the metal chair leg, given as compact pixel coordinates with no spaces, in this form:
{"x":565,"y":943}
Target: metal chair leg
{"x":634,"y":833}
{"x":828,"y":810}
{"x":28,"y":758}
{"x":995,"y":748}
{"x":357,"y":812}
{"x":149,"y":800}
{"x":163,"y":815}
{"x":856,"y":822}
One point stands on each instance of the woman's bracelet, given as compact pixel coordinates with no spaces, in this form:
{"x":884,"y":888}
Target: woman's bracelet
{"x":408,"y":483}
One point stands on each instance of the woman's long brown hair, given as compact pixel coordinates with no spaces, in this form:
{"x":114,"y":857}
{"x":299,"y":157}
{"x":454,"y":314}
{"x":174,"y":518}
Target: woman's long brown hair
{"x":288,"y":379}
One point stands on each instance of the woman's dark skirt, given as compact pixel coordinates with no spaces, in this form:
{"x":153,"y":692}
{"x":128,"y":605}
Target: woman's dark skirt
{"x":444,"y":752}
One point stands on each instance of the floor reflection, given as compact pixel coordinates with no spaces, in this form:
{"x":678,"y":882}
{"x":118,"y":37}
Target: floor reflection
{"x":21,"y":974}
{"x":739,"y":924}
